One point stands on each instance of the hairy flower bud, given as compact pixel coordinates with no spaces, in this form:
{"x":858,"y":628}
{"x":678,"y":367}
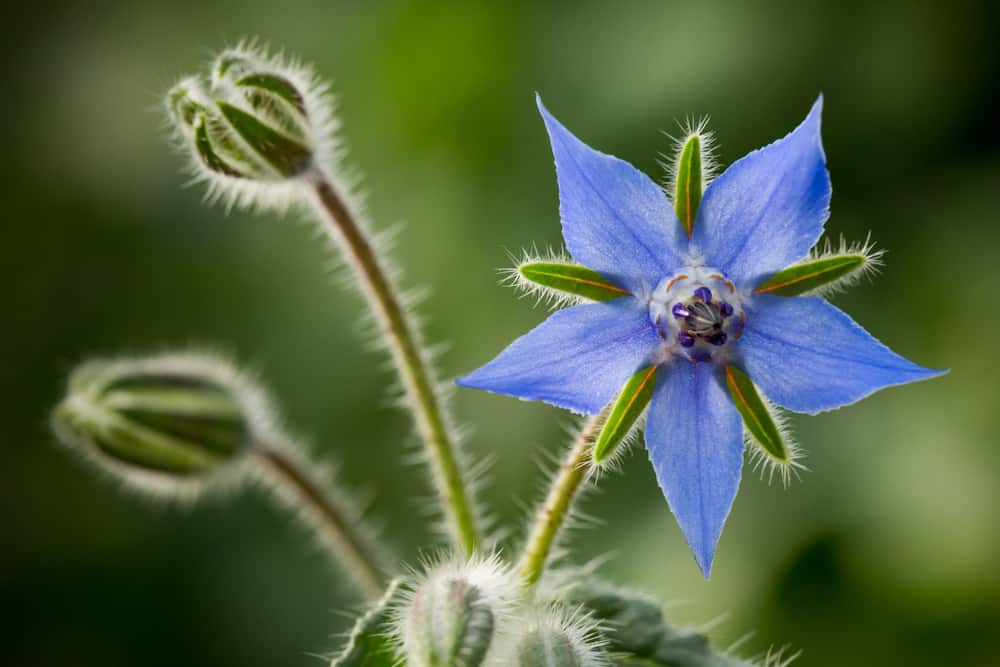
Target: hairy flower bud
{"x":255,"y":120}
{"x":454,"y":615}
{"x":558,"y":638}
{"x":161,"y":421}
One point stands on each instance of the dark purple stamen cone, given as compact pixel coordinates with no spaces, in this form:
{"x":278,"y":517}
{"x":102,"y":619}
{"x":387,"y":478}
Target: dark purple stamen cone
{"x":718,"y":339}
{"x":679,"y":311}
{"x":685,"y":339}
{"x":726,"y":309}
{"x":704,"y":294}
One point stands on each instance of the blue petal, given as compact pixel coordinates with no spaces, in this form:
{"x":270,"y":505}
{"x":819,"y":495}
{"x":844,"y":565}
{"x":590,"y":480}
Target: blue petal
{"x":809,"y":356}
{"x":615,"y":219}
{"x":577,"y":359}
{"x":694,"y":436}
{"x":768,"y":208}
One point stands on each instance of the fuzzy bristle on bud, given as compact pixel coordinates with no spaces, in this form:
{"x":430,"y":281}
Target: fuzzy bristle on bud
{"x":456,"y":613}
{"x":161,"y":422}
{"x":254,"y":125}
{"x":556,"y":637}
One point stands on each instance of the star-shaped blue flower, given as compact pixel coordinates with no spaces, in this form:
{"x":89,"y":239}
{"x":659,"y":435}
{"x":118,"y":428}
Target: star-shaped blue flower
{"x":689,"y":309}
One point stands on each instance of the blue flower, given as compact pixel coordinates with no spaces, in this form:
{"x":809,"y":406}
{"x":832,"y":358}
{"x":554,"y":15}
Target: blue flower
{"x":691,"y":311}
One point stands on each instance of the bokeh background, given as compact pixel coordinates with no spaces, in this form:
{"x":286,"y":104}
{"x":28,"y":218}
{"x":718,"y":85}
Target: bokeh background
{"x":884,"y":554}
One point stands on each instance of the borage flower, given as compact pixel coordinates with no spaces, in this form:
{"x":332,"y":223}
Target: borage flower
{"x":693,"y":314}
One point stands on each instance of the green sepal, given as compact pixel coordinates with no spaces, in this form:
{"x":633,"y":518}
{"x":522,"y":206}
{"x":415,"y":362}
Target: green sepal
{"x":144,"y":448}
{"x":187,"y":409}
{"x":631,"y":401}
{"x":276,"y":85}
{"x":182,"y":105}
{"x":370,"y":643}
{"x":813,"y":274}
{"x":637,"y":632}
{"x":572,"y":279}
{"x":688,"y":185}
{"x":206,"y":152}
{"x":756,"y":417}
{"x":287,"y":156}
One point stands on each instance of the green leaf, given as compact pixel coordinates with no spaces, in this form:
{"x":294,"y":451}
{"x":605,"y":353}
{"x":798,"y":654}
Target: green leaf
{"x":571,"y":278}
{"x":370,"y":643}
{"x":688,"y":186}
{"x":287,"y":156}
{"x":631,"y":401}
{"x":637,"y":631}
{"x":814,"y":274}
{"x":756,"y":417}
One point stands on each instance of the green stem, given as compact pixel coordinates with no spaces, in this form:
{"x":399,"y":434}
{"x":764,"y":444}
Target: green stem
{"x":552,"y":516}
{"x":334,"y":520}
{"x":406,"y":353}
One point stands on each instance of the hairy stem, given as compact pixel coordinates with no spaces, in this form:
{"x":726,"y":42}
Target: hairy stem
{"x":565,"y":488}
{"x":406,"y":352}
{"x":334,"y":520}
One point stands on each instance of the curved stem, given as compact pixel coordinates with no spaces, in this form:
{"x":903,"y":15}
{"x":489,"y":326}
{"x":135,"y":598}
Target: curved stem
{"x":554,"y":512}
{"x":334,"y":520}
{"x":406,"y":353}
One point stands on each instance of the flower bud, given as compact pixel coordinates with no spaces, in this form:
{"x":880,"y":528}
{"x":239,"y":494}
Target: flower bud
{"x":272,"y":95}
{"x":249,"y":121}
{"x":453,"y":616}
{"x":557,"y":638}
{"x":162,"y":420}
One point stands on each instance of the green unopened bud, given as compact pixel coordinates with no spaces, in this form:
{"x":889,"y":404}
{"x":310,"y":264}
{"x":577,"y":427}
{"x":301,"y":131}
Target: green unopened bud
{"x":269,"y":93}
{"x":453,"y":616}
{"x":166,"y":418}
{"x":560,"y":639}
{"x":249,"y":122}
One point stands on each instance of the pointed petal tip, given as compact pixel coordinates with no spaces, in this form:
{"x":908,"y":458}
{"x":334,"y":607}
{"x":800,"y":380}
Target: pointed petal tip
{"x":705,"y":560}
{"x":551,"y":122}
{"x":815,"y":115}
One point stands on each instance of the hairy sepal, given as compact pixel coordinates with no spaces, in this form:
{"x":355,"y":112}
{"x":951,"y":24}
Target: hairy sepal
{"x":558,"y":280}
{"x":624,"y":415}
{"x":827,"y":271}
{"x":690,"y":170}
{"x":771,"y":447}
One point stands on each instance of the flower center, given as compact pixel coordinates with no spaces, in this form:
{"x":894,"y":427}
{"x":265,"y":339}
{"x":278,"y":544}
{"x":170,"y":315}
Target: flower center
{"x":698,"y":311}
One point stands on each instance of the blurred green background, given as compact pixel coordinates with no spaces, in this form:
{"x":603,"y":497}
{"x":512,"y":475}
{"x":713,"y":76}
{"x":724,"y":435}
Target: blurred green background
{"x":885,"y":553}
